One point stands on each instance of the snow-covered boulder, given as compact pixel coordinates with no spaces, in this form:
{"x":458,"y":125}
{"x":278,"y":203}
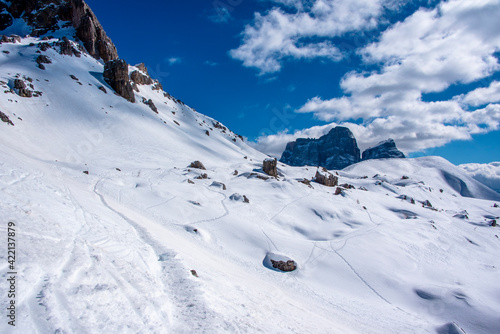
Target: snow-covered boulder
{"x":326,"y":178}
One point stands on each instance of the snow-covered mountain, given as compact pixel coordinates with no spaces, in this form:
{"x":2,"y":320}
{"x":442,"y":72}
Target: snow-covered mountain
{"x":115,"y":232}
{"x":487,"y":174}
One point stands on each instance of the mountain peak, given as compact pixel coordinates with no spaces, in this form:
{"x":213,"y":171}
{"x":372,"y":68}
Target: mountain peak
{"x":335,"y":150}
{"x":49,"y":16}
{"x":384,"y":150}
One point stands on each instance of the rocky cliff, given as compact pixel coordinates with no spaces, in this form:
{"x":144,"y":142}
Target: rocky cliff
{"x":335,"y":150}
{"x":46,"y":16}
{"x":384,"y":150}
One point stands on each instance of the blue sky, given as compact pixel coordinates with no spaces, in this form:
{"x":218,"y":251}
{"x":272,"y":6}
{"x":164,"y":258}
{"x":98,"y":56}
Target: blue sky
{"x":422,"y":72}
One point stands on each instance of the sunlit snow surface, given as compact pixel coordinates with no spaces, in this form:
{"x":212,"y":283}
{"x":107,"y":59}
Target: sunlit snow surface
{"x":112,"y":251}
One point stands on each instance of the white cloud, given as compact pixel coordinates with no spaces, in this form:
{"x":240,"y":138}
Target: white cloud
{"x":431,"y":50}
{"x":278,"y":35}
{"x":488,"y":174}
{"x":275,"y":144}
{"x":483,"y":96}
{"x":428,"y":52}
{"x":174,"y":60}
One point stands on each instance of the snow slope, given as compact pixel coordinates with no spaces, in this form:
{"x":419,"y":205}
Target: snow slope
{"x":112,"y":250}
{"x":488,"y":174}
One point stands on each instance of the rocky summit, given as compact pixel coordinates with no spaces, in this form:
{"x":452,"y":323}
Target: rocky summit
{"x":335,"y":150}
{"x":46,"y":16}
{"x":384,"y":150}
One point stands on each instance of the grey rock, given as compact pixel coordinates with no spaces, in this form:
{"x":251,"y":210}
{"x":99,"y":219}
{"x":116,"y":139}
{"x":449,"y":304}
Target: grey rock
{"x":42,"y":59}
{"x":4,"y":118}
{"x":384,"y":150}
{"x":284,"y":266}
{"x":335,"y":150}
{"x":19,"y":84}
{"x":197,"y":164}
{"x":22,"y":89}
{"x":44,"y":16}
{"x":151,"y":104}
{"x":270,"y":167}
{"x":67,"y":48}
{"x":116,"y":75}
{"x":141,"y":79}
{"x":325,"y":178}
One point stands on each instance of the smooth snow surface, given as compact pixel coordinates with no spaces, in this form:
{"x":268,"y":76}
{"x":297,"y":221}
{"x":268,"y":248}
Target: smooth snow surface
{"x":488,"y":174}
{"x":112,"y":251}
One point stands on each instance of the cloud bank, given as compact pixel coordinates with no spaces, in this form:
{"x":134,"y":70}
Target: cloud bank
{"x":455,"y":44}
{"x":488,"y":174}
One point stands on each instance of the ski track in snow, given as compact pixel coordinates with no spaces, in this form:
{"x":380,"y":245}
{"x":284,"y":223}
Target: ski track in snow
{"x":195,"y":311}
{"x":104,"y":252}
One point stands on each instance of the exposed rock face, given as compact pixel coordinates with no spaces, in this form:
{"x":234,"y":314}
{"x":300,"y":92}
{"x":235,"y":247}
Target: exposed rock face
{"x":284,"y":266}
{"x":116,"y":75}
{"x":5,"y":18}
{"x":140,"y":78}
{"x":44,"y":16}
{"x":197,"y":164}
{"x":325,"y":178}
{"x":270,"y":167}
{"x":22,"y":89}
{"x":384,"y":150}
{"x":4,"y":118}
{"x":42,"y":59}
{"x":67,"y":48}
{"x":19,"y":84}
{"x":91,"y":33}
{"x":150,"y":104}
{"x":11,"y":39}
{"x":335,"y":150}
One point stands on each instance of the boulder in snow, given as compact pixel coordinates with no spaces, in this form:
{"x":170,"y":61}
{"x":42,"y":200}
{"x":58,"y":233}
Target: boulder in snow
{"x":4,"y":118}
{"x":197,"y":164}
{"x":326,"y":178}
{"x":270,"y":167}
{"x":218,"y":185}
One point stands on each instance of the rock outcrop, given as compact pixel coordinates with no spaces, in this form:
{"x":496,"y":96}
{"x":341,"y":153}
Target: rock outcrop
{"x":116,"y":75}
{"x":67,"y":48}
{"x":22,"y":89}
{"x":140,"y":78}
{"x":284,"y":266}
{"x":150,"y":104}
{"x":384,"y":150}
{"x":4,"y":118}
{"x":197,"y":164}
{"x":335,"y":150}
{"x":45,"y":16}
{"x":326,"y":178}
{"x":270,"y":167}
{"x":5,"y":18}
